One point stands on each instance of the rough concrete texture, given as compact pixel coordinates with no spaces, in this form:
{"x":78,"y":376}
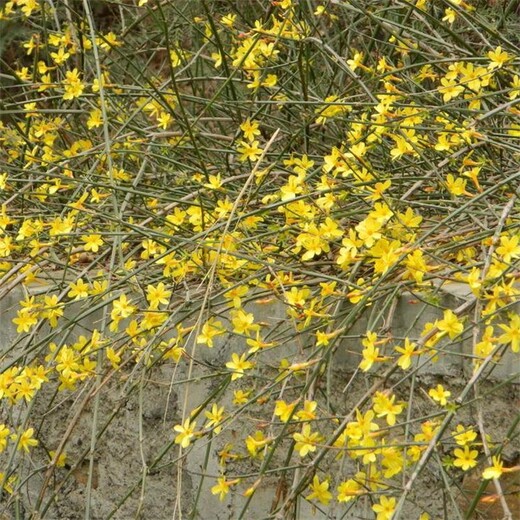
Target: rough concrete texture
{"x":123,"y":451}
{"x":137,"y":472}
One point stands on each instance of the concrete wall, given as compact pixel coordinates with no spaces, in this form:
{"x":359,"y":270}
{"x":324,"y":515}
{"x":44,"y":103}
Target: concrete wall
{"x":137,"y":472}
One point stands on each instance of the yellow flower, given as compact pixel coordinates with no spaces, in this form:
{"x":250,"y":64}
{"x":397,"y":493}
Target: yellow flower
{"x":509,"y":247}
{"x":228,"y":20}
{"x":463,"y":435}
{"x":384,"y":407}
{"x":52,"y":310}
{"x":99,"y":287}
{"x":215,"y":416}
{"x":515,"y":87}
{"x":6,"y":246}
{"x":92,"y":242}
{"x":186,"y":432}
{"x":320,"y":491}
{"x":258,"y":343}
{"x":73,"y":85}
{"x":250,"y":129}
{"x":113,"y":357}
{"x":157,"y":295}
{"x":385,"y":509}
{"x":307,"y":414}
{"x":405,"y":360}
{"x":238,"y":365}
{"x":67,"y":362}
{"x":249,"y":151}
{"x":370,"y":356}
{"x":494,"y":471}
{"x":369,"y":230}
{"x":109,"y":40}
{"x":348,"y":490}
{"x":356,"y":61}
{"x":293,"y":188}
{"x":3,"y":183}
{"x":61,"y":460}
{"x":122,"y":308}
{"x":25,"y":440}
{"x":60,"y":57}
{"x":511,"y":333}
{"x":222,"y":487}
{"x":498,"y":57}
{"x":95,"y":119}
{"x":217,"y":58}
{"x":332,"y":107}
{"x":474,"y":281}
{"x":25,"y":320}
{"x":456,"y":185}
{"x":450,"y":324}
{"x":240,"y":396}
{"x":450,"y":89}
{"x":78,"y":290}
{"x":306,"y":440}
{"x":25,"y":389}
{"x":164,"y":120}
{"x":236,"y":294}
{"x":215,"y":182}
{"x":465,"y":458}
{"x":4,"y":433}
{"x":210,"y":330}
{"x":449,"y":15}
{"x":255,"y":442}
{"x":439,"y":394}
{"x":284,"y":410}
{"x":323,"y":338}
{"x":243,"y":322}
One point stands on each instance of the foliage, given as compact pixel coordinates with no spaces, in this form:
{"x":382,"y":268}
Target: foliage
{"x":199,"y":156}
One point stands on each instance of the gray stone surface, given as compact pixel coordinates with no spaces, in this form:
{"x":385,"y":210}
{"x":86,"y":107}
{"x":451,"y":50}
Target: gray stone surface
{"x":136,"y":415}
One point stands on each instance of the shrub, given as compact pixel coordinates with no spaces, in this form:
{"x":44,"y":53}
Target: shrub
{"x":170,"y":170}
